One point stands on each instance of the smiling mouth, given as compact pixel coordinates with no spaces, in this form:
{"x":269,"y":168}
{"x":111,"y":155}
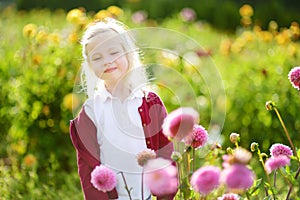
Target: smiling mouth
{"x":109,"y":70}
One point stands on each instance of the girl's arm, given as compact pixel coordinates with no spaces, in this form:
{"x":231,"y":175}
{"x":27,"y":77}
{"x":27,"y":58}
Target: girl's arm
{"x":84,"y":138}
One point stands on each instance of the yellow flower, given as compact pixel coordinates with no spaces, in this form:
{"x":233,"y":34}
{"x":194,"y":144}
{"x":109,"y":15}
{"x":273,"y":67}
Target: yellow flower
{"x":102,"y":14}
{"x":238,"y":45}
{"x":29,"y":160}
{"x":37,"y":59}
{"x":29,"y":31}
{"x":73,"y":37}
{"x":248,"y":36}
{"x":246,"y":10}
{"x":41,"y":36}
{"x":225,"y":46}
{"x":273,"y":26}
{"x":246,"y":21}
{"x":115,"y":10}
{"x":76,"y":16}
{"x":55,"y":38}
{"x":265,"y":36}
{"x":295,"y":30}
{"x":71,"y":101}
{"x":256,"y":29}
{"x":283,"y":37}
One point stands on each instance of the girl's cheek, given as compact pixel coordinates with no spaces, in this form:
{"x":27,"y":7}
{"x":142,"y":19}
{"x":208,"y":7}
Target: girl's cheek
{"x":98,"y":69}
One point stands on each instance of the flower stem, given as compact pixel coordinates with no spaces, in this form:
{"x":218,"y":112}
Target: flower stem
{"x":188,"y":161}
{"x":286,"y":132}
{"x":248,"y":196}
{"x":193,"y":160}
{"x":180,"y":173}
{"x":267,"y":175}
{"x":142,"y":184}
{"x":180,"y":178}
{"x":275,"y":178}
{"x":126,"y":186}
{"x":291,"y":187}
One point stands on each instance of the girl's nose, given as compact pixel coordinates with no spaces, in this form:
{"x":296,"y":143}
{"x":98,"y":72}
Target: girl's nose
{"x":106,"y":64}
{"x":107,"y":61}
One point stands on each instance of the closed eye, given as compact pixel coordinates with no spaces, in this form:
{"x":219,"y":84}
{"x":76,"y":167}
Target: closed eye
{"x":114,"y":52}
{"x":96,"y":57}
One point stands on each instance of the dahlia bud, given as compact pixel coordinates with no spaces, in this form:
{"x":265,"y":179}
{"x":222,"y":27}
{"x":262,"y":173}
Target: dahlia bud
{"x":234,"y":138}
{"x":176,"y":156}
{"x":264,"y":155}
{"x":229,"y":150}
{"x":254,"y":146}
{"x":270,"y":105}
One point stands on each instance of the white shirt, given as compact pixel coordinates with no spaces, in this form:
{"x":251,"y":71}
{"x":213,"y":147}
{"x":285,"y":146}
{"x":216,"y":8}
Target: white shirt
{"x":121,"y":137}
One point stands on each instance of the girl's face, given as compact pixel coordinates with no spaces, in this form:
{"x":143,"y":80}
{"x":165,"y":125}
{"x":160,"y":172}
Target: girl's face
{"x":107,"y":59}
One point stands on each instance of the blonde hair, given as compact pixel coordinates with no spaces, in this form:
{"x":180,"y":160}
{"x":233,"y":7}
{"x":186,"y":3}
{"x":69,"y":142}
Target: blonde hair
{"x":137,"y":75}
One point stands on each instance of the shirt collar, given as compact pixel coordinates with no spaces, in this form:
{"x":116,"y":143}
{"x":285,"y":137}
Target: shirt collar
{"x":103,"y":95}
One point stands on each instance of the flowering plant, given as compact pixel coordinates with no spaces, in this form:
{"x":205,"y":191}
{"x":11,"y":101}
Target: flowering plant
{"x":224,"y":174}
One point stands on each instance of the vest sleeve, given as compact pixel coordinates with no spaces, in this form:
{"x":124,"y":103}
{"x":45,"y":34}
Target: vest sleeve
{"x":158,"y":113}
{"x":153,"y":113}
{"x":84,"y":138}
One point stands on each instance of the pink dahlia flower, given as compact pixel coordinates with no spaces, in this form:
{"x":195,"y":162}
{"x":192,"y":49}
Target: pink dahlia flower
{"x":280,"y":149}
{"x":198,"y":138}
{"x":161,"y":177}
{"x":294,"y":77}
{"x":206,"y":179}
{"x":188,"y":14}
{"x":103,"y":178}
{"x":237,"y":177}
{"x":274,"y":163}
{"x":227,"y":160}
{"x":139,"y":17}
{"x":180,"y":122}
{"x":229,"y":196}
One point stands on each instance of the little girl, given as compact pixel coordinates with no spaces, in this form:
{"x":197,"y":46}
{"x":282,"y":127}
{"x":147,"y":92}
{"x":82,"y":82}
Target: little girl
{"x":121,"y":117}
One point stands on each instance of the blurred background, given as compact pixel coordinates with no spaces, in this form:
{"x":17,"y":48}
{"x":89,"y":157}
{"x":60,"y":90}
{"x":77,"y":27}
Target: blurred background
{"x":222,"y":14}
{"x":254,"y":44}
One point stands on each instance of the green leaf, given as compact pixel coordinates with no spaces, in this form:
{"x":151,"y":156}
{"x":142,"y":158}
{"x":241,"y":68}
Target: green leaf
{"x":255,"y":187}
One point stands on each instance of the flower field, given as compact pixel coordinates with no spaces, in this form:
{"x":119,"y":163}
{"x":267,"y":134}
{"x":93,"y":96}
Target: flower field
{"x":227,"y":77}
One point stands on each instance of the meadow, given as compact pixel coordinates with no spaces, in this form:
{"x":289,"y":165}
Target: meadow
{"x":227,"y":76}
